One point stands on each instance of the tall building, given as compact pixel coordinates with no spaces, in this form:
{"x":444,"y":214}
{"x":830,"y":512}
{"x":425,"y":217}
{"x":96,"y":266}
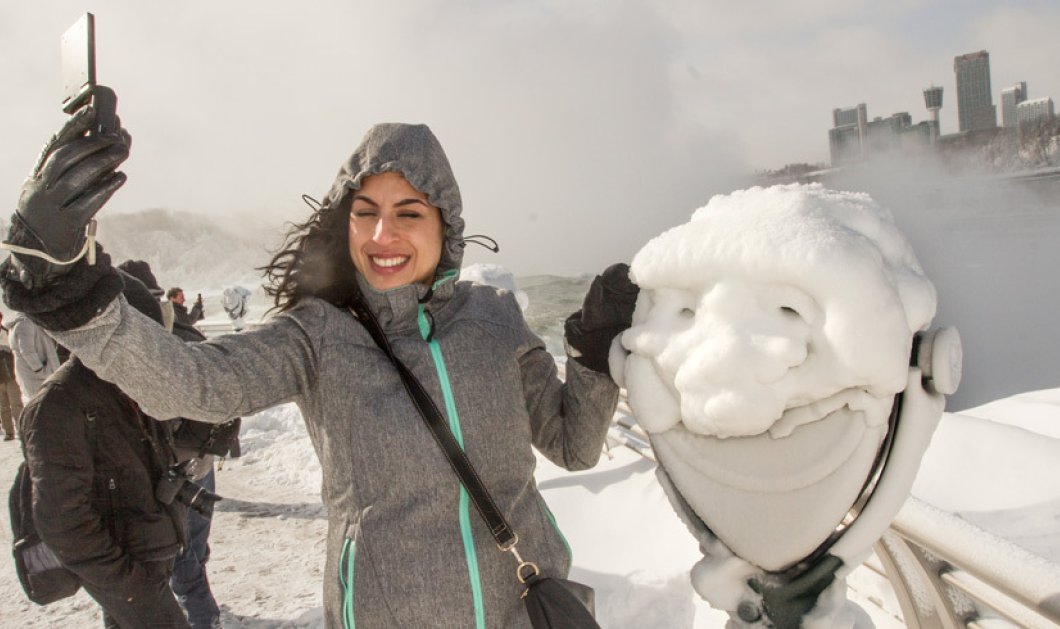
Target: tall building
{"x":933,"y":102}
{"x":975,"y":106}
{"x":1034,"y":112}
{"x":1010,"y":97}
{"x":846,"y":138}
{"x":854,"y":137}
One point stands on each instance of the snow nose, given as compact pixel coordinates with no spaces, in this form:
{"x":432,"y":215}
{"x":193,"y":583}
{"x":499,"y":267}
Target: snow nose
{"x":739,"y":349}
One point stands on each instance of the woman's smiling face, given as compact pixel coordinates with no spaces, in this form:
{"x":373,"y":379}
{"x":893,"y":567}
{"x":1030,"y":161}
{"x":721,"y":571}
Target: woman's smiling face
{"x":395,"y":234}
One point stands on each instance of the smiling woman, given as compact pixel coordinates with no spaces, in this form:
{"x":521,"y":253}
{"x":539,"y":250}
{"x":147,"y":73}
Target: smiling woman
{"x":404,"y":548}
{"x":395,"y":234}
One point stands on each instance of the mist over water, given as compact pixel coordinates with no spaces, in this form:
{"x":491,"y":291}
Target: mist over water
{"x":991,"y":245}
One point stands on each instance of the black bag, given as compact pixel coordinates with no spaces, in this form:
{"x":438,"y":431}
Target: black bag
{"x":559,"y":603}
{"x":551,"y":602}
{"x":43,"y":576}
{"x":205,"y":438}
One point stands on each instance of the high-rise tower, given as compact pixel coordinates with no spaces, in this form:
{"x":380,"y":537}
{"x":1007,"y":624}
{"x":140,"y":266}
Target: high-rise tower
{"x":933,"y":102}
{"x":975,"y":107}
{"x":1010,"y":97}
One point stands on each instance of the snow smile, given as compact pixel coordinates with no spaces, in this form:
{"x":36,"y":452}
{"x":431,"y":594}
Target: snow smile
{"x":764,"y":463}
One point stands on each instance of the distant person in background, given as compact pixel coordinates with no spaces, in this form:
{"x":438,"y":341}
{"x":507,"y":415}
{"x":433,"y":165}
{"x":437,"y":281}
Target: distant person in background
{"x":10,"y":395}
{"x":189,"y":581}
{"x":175,"y":296}
{"x":36,"y":355}
{"x":235,"y":302}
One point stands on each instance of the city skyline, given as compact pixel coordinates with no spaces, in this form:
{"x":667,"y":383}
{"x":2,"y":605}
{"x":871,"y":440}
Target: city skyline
{"x":855,"y":135}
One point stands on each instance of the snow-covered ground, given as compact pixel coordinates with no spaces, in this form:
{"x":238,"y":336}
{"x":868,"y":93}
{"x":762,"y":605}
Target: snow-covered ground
{"x":268,"y":537}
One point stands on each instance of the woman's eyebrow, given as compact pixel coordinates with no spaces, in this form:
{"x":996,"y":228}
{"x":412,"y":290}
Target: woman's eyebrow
{"x":402,"y":203}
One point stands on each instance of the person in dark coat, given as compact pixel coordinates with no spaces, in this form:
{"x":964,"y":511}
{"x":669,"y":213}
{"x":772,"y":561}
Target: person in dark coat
{"x":95,"y":460}
{"x":175,"y":296}
{"x":190,"y":581}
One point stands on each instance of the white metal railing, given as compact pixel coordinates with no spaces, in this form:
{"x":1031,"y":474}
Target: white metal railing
{"x":946,"y":573}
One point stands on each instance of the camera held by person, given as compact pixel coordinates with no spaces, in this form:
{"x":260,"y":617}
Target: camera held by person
{"x":175,"y":484}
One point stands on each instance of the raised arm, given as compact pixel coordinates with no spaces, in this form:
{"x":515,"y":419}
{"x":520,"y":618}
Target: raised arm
{"x":215,"y":380}
{"x":570,"y":419}
{"x":62,"y":280}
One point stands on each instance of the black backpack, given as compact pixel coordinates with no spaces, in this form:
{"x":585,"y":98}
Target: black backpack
{"x":43,"y":576}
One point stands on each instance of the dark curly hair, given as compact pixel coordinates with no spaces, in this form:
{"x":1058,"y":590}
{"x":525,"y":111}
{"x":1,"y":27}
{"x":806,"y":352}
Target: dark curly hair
{"x":314,"y":260}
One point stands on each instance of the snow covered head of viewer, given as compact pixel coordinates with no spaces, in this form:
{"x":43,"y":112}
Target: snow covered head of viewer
{"x":770,"y":338}
{"x":772,"y":299}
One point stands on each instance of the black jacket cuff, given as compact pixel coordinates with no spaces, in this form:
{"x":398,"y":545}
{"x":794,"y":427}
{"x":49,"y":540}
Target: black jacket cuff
{"x":71,"y":300}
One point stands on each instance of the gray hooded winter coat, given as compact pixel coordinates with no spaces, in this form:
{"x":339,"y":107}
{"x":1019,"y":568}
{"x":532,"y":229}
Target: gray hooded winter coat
{"x":404,"y":548}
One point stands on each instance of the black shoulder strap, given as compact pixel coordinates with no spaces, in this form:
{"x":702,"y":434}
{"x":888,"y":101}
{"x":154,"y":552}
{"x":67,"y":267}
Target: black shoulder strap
{"x":487,"y":508}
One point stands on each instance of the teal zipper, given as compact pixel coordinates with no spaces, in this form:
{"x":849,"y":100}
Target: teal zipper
{"x":346,"y":561}
{"x":454,"y":425}
{"x":562,"y":537}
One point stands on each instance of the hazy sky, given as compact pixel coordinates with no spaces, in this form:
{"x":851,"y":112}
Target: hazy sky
{"x":577,"y":130}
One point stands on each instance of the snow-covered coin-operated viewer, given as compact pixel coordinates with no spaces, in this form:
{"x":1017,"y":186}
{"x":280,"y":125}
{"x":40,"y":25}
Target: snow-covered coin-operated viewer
{"x":236,"y":303}
{"x":781,"y":362}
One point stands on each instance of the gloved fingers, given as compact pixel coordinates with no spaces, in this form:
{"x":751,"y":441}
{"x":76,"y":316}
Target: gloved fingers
{"x":121,"y":132}
{"x":611,"y":298}
{"x":83,"y":160}
{"x":92,"y":200}
{"x":615,"y":278}
{"x":76,"y":126}
{"x":125,"y":136}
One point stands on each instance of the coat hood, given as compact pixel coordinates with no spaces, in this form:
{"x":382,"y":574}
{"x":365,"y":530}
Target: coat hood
{"x":413,"y":151}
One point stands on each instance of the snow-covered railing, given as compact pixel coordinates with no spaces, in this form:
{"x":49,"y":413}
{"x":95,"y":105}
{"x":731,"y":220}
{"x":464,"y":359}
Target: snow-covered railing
{"x":948,"y":573}
{"x":624,"y":431}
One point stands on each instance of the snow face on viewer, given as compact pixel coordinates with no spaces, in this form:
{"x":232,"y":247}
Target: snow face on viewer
{"x":769,"y":300}
{"x":771,"y":335}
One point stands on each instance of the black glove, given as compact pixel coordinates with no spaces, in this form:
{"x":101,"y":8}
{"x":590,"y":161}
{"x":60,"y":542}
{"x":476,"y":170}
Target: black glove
{"x":787,"y":600}
{"x":606,"y":312}
{"x":74,"y":176}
